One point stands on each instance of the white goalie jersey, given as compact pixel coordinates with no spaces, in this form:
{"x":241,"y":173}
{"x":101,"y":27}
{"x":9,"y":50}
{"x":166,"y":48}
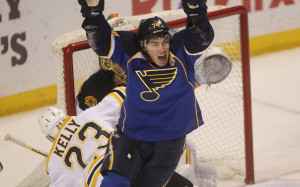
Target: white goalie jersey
{"x":76,"y":156}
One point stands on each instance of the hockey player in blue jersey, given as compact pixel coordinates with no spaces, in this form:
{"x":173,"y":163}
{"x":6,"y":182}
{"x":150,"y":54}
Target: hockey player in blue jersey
{"x":160,"y":108}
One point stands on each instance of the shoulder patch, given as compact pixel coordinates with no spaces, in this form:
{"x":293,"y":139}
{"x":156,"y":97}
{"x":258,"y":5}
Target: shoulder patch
{"x":90,"y":101}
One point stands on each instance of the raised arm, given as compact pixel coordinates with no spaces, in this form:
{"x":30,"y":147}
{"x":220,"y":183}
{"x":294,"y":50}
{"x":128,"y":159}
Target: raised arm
{"x":98,"y":31}
{"x":199,"y":33}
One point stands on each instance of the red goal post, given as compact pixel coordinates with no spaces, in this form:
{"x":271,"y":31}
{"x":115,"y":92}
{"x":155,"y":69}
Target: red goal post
{"x":236,"y":89}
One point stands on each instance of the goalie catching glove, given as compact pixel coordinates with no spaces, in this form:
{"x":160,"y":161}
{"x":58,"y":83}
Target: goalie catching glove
{"x":212,"y":67}
{"x":194,"y":8}
{"x":91,"y":8}
{"x":50,"y":122}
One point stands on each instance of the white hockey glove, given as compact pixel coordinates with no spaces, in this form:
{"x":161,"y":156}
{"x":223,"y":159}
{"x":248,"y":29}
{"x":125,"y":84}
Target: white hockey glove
{"x":212,"y":67}
{"x":50,"y":122}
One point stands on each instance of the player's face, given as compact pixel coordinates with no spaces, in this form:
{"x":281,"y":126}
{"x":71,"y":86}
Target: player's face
{"x":159,"y":50}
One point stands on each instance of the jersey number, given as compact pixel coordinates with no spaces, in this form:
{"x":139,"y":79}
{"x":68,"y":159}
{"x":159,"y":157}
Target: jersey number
{"x":82,"y":136}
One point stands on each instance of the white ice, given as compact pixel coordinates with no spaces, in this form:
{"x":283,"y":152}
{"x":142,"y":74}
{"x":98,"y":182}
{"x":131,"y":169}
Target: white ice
{"x":275,"y":84}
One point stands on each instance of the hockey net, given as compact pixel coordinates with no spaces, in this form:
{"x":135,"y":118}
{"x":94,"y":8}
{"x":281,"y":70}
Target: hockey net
{"x":225,"y":140}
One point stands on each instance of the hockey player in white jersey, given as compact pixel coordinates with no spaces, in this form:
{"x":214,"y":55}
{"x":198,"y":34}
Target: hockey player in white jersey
{"x":81,"y":140}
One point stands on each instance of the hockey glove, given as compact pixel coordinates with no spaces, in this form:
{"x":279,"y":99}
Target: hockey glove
{"x":91,"y":8}
{"x":212,"y":67}
{"x":194,"y":8}
{"x":50,"y":122}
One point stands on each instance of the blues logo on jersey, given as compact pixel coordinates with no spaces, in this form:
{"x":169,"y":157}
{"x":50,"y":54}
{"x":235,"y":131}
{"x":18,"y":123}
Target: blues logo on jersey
{"x":154,"y":80}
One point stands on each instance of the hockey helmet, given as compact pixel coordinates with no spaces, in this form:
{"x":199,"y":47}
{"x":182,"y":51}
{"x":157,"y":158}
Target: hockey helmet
{"x":95,"y":88}
{"x":152,"y":28}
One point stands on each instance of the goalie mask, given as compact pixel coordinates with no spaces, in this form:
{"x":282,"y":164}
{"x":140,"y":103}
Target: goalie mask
{"x":119,"y":76}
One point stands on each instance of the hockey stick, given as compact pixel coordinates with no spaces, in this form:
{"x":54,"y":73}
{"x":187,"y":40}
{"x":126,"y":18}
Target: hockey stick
{"x":8,"y":137}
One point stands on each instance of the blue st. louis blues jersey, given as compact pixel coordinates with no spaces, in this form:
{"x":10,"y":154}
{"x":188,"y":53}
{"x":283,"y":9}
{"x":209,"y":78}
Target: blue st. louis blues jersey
{"x":160,"y":102}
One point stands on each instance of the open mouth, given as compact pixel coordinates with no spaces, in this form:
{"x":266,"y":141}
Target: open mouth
{"x":162,"y":57}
